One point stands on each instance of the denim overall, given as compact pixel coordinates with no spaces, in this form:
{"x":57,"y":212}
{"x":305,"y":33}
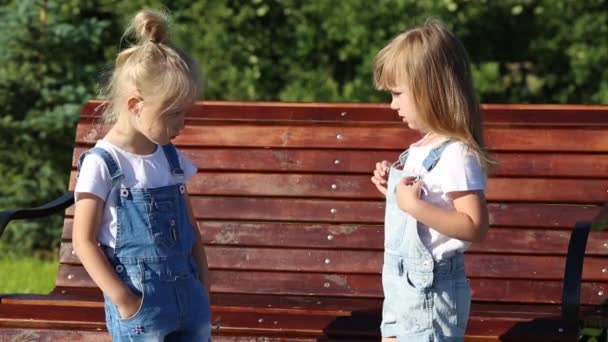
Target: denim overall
{"x":424,"y":299}
{"x":153,"y":257}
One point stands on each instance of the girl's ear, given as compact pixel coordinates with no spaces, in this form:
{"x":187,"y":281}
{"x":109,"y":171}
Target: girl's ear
{"x":134,"y":104}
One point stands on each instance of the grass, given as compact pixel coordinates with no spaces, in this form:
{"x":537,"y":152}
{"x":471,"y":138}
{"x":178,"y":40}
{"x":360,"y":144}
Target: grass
{"x":27,"y":274}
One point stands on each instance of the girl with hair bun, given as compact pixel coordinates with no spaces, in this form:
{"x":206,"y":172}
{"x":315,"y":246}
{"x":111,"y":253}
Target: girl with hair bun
{"x":134,"y":230}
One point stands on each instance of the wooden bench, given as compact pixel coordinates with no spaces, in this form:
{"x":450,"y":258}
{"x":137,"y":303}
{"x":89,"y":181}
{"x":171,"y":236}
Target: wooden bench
{"x":293,"y":225}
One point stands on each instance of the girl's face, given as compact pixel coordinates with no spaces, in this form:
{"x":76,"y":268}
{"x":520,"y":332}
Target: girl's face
{"x":404,"y":105}
{"x":159,"y":125}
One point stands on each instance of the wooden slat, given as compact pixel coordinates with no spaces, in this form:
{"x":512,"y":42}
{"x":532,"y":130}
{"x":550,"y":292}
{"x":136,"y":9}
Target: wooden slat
{"x":276,"y":209}
{"x":363,"y":161}
{"x":329,"y":306}
{"x":361,"y":188}
{"x":269,"y":324}
{"x":334,"y":306}
{"x":370,"y":262}
{"x":537,"y":241}
{"x":228,"y":326}
{"x":541,"y":241}
{"x":286,"y":234}
{"x":539,"y":215}
{"x":11,"y":334}
{"x":315,"y":111}
{"x":546,"y":329}
{"x":271,"y":209}
{"x":295,"y":160}
{"x":362,"y":286}
{"x":66,"y":334}
{"x":355,"y":286}
{"x":550,"y":165}
{"x":592,"y":139}
{"x":12,"y":315}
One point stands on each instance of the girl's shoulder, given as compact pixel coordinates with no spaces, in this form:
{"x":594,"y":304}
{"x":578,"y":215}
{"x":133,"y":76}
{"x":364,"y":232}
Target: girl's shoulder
{"x":456,"y":147}
{"x":459,"y":153}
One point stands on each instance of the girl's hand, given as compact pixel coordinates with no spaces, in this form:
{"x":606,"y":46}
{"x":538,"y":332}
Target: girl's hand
{"x":129,"y":305}
{"x":380,"y":177}
{"x":408,"y":193}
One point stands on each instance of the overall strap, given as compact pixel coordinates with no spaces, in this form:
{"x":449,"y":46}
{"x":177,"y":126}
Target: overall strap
{"x":173,"y":159}
{"x":403,"y":157}
{"x":432,"y":158}
{"x":111,"y":164}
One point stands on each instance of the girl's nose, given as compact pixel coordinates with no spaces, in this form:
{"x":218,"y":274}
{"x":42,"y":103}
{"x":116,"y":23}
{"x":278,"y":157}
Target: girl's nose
{"x":394,"y":105}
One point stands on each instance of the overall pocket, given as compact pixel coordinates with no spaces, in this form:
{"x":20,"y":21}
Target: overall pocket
{"x":413,"y":305}
{"x":164,"y":223}
{"x":133,"y":281}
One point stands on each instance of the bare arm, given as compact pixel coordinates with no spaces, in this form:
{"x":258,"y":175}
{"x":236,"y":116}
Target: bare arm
{"x":199,"y":251}
{"x":469,"y":222}
{"x":87,"y":218}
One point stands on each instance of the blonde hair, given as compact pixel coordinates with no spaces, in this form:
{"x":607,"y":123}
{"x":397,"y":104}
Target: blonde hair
{"x":157,"y":70}
{"x":432,"y":64}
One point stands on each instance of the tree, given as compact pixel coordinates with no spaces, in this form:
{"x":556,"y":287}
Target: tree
{"x":50,"y":62}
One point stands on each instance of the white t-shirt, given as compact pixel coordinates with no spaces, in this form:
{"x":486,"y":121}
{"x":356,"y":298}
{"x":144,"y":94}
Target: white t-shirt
{"x":140,"y":171}
{"x":457,"y":170}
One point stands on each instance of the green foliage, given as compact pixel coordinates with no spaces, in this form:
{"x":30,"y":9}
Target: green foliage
{"x":52,"y":54}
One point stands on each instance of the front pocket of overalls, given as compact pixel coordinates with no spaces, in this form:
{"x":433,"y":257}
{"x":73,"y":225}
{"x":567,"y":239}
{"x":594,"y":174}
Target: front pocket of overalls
{"x":412,"y":306}
{"x":416,"y":282}
{"x":134,"y":283}
{"x":163,"y":223}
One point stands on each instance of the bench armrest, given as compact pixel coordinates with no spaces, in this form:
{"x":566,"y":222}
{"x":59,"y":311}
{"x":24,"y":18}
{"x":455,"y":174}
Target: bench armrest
{"x":571,"y":292}
{"x":56,"y":205}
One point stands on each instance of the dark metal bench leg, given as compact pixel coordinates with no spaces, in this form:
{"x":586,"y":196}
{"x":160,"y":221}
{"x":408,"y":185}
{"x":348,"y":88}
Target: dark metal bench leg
{"x":573,"y":274}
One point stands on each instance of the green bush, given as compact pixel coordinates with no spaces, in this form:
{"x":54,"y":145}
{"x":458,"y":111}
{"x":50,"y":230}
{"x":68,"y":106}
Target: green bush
{"x":51,"y":56}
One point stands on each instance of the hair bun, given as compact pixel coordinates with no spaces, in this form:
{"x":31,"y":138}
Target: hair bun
{"x":150,"y":25}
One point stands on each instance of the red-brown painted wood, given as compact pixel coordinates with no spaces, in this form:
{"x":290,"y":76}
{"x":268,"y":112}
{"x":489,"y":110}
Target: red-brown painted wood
{"x":522,"y":290}
{"x":510,"y":240}
{"x":372,"y":137}
{"x":363,"y":161}
{"x":294,"y":210}
{"x":293,"y":226}
{"x":585,"y":191}
{"x":379,"y":112}
{"x":370,"y":262}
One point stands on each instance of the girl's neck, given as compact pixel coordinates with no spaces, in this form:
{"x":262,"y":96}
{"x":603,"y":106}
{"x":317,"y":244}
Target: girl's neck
{"x":429,"y":139}
{"x":126,"y":137}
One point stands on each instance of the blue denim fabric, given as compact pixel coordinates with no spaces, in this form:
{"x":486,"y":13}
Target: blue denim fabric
{"x":424,"y":299}
{"x":153,"y":257}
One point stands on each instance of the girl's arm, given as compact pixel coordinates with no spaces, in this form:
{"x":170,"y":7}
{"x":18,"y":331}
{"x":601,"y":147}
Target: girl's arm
{"x":199,"y":251}
{"x":469,"y":222}
{"x":87,"y":219}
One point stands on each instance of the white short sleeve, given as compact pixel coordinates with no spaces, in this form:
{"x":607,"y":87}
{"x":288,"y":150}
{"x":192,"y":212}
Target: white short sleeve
{"x":460,"y":170}
{"x":187,"y":166}
{"x":94,"y":177}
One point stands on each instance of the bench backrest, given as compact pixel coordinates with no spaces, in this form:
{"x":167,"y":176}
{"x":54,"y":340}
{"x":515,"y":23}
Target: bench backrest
{"x":285,"y":203}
